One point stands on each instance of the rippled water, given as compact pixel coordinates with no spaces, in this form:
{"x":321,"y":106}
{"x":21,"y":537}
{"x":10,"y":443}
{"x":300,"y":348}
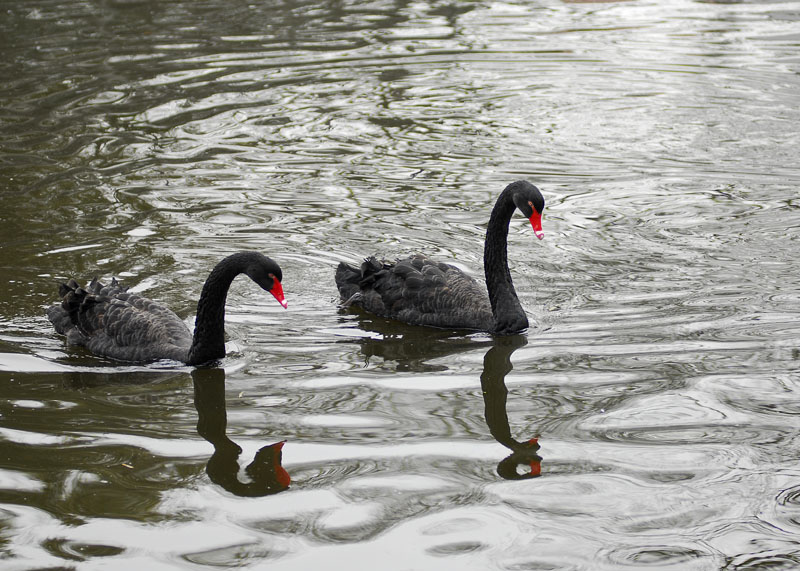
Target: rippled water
{"x":146,"y":140}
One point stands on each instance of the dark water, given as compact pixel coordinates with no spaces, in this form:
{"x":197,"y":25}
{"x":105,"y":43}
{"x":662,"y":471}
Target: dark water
{"x":146,"y":140}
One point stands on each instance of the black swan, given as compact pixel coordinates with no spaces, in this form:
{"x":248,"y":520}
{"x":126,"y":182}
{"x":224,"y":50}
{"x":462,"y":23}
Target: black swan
{"x":420,"y":291}
{"x":111,"y":322}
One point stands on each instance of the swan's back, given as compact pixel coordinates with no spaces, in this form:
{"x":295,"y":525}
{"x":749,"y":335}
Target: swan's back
{"x":110,"y":321}
{"x":416,"y":290}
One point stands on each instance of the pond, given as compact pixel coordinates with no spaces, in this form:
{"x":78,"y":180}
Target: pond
{"x":648,"y":418}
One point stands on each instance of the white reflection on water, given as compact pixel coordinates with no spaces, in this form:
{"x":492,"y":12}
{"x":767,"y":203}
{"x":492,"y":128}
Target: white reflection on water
{"x":660,"y":377}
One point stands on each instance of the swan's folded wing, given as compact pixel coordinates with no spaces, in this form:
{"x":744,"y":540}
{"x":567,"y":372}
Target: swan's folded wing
{"x":133,"y":321}
{"x":109,"y":321}
{"x":423,"y":292}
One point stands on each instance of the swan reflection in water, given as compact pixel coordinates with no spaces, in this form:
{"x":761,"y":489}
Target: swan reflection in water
{"x":496,"y":365}
{"x":265,"y":472}
{"x":413,"y":348}
{"x":410,"y":347}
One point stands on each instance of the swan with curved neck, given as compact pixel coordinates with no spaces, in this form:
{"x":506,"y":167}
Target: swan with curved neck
{"x":111,"y":322}
{"x":420,"y":291}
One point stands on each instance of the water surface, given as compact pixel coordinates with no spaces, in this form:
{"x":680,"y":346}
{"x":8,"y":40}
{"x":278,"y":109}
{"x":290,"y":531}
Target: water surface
{"x":147,"y":140}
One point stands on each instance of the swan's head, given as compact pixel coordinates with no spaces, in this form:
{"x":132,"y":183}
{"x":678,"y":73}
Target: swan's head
{"x":525,"y":455}
{"x":530,"y":202}
{"x":267,"y":273}
{"x":267,"y":469}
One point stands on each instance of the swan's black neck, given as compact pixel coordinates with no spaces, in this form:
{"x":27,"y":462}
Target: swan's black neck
{"x":509,"y":317}
{"x":208,"y":343}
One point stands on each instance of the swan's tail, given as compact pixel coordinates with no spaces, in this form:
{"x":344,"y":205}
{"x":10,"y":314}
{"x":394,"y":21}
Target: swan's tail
{"x":350,"y":280}
{"x":77,"y":303}
{"x":347,"y":279}
{"x":66,"y":315}
{"x":61,"y":315}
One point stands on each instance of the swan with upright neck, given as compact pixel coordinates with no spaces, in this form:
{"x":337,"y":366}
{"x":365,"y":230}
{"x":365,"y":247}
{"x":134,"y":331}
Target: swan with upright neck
{"x":420,"y":291}
{"x":111,"y":322}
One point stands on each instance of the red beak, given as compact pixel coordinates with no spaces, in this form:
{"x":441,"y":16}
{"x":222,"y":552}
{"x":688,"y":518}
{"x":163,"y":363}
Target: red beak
{"x":536,"y":222}
{"x":536,"y":465}
{"x":280,"y":472}
{"x":277,"y":291}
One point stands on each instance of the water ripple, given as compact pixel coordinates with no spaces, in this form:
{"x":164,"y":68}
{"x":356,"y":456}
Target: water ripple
{"x":148,"y":140}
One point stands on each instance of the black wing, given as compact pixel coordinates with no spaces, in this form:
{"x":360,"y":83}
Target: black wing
{"x":416,"y":290}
